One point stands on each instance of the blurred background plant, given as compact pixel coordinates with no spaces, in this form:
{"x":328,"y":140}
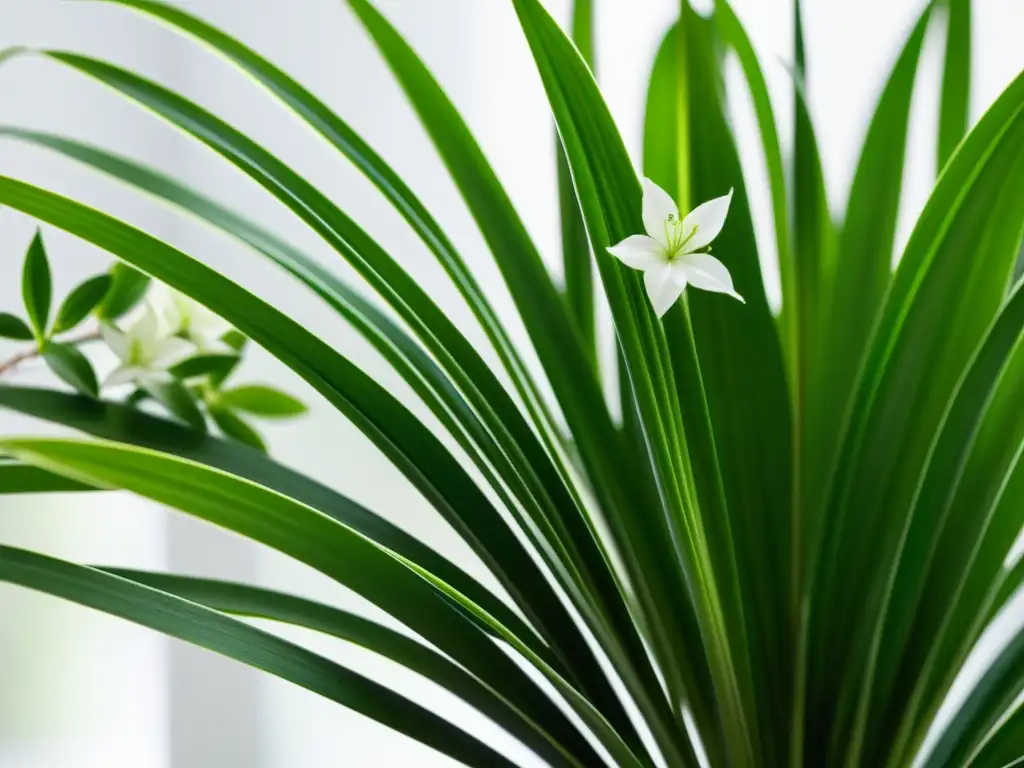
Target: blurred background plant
{"x":171,"y":349}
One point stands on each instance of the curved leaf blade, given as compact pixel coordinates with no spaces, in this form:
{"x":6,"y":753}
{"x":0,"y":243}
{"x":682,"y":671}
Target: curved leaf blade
{"x":124,"y":424}
{"x":244,"y":600}
{"x":37,"y":287}
{"x":81,"y":301}
{"x":71,"y":366}
{"x":209,"y":629}
{"x":382,"y":577}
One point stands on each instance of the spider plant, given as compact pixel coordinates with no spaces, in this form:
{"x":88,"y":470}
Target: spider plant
{"x":779,"y":546}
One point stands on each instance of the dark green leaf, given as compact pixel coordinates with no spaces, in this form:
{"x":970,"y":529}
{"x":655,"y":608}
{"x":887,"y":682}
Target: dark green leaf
{"x":235,"y":427}
{"x":72,"y":367}
{"x":127,"y":288}
{"x":12,"y":327}
{"x":864,"y":262}
{"x":734,"y":433}
{"x":230,"y":637}
{"x":81,"y":301}
{"x":213,"y":365}
{"x":263,"y":401}
{"x":576,"y":263}
{"x":413,"y":596}
{"x":463,"y":363}
{"x":176,"y":398}
{"x":949,"y":286}
{"x":954,"y":111}
{"x":610,"y":196}
{"x":994,"y":694}
{"x":36,"y":287}
{"x":19,"y":477}
{"x":113,"y":421}
{"x":243,"y":600}
{"x":931,"y":600}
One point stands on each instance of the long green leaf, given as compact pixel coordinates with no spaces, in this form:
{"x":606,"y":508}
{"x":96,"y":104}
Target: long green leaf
{"x":949,"y":286}
{"x":553,"y":334}
{"x":521,"y":461}
{"x":576,"y":263}
{"x":750,"y":430}
{"x":991,"y":697}
{"x":124,"y":424}
{"x":397,"y":586}
{"x":1002,"y":749}
{"x":411,"y":447}
{"x":735,"y":36}
{"x":609,"y":193}
{"x":965,"y":472}
{"x":214,"y":631}
{"x":341,"y":136}
{"x":244,"y":600}
{"x":954,"y":110}
{"x":461,"y":359}
{"x":19,"y":477}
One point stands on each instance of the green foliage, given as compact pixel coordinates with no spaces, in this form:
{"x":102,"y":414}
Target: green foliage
{"x":201,"y":365}
{"x":177,"y":399}
{"x":127,"y":288}
{"x":80,"y":303}
{"x":37,"y":287}
{"x":787,"y":546}
{"x":14,"y":328}
{"x":71,"y":366}
{"x":263,"y":401}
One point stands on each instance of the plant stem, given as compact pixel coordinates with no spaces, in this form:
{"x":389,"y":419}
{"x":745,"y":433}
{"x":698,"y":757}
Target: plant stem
{"x":11,"y":363}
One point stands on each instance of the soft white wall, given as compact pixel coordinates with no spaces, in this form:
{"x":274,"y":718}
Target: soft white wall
{"x":207,"y":711}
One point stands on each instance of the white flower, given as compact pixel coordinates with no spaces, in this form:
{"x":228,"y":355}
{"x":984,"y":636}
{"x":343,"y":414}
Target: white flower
{"x":186,"y":317}
{"x":670,"y":253}
{"x":146,"y":349}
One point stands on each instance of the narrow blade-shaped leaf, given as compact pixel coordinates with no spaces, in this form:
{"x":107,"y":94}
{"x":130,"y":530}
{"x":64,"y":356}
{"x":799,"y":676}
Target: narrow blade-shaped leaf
{"x":214,"y":631}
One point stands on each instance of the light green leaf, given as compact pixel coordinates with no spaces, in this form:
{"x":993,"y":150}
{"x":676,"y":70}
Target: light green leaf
{"x":262,"y":401}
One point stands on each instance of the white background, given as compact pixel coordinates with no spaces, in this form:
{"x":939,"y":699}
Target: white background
{"x":82,"y":690}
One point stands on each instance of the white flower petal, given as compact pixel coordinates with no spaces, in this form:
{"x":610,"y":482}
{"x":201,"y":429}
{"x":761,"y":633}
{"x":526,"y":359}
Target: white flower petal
{"x":123,"y":374}
{"x":708,"y":218}
{"x":166,"y":352}
{"x":118,"y":342}
{"x":639,"y":252}
{"x":665,"y":284}
{"x":658,"y":206}
{"x":164,"y":305}
{"x":709,"y":274}
{"x":147,"y":328}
